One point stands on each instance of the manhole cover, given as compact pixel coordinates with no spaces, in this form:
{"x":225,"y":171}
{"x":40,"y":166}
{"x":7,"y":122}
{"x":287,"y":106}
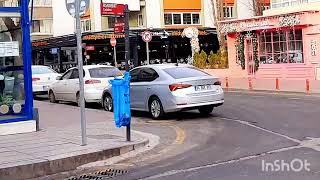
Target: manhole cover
{"x":109,"y":173}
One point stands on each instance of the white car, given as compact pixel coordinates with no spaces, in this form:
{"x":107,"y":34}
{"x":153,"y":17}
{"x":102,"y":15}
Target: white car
{"x":42,"y":78}
{"x":96,"y":79}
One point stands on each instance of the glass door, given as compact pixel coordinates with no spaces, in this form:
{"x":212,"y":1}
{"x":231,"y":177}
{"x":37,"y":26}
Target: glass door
{"x":12,"y":94}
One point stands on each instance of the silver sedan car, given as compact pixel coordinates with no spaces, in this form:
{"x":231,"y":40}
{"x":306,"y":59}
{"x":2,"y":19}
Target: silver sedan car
{"x":164,"y":88}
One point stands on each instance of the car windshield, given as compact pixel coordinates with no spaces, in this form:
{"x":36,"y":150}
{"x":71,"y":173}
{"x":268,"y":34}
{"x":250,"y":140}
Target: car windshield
{"x":104,"y":72}
{"x":185,"y":72}
{"x":42,"y":70}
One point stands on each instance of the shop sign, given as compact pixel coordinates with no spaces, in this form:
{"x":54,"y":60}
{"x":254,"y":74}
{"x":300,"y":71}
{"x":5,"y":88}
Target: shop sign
{"x":179,"y":33}
{"x":9,"y":49}
{"x":255,"y":24}
{"x":119,"y":27}
{"x":42,"y":43}
{"x":102,"y":36}
{"x":54,"y":51}
{"x":243,"y":26}
{"x":90,"y":48}
{"x":288,"y":21}
{"x":112,"y":9}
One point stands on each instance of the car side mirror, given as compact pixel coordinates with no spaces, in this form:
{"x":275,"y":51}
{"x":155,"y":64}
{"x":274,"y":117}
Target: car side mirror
{"x":58,"y":78}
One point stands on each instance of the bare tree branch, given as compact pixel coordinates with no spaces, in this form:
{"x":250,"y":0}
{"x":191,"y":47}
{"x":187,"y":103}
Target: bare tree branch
{"x":218,"y":15}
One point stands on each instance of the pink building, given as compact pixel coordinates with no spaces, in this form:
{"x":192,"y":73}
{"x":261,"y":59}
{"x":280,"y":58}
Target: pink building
{"x":284,"y":46}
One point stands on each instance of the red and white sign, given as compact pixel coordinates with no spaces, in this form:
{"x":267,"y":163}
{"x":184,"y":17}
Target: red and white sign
{"x":90,"y":48}
{"x":113,"y":42}
{"x":112,"y":9}
{"x":119,"y":27}
{"x":146,"y":36}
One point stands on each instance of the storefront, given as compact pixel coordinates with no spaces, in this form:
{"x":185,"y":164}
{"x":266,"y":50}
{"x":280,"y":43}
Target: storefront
{"x":59,"y":53}
{"x":16,"y":101}
{"x":166,"y":47}
{"x":278,"y":46}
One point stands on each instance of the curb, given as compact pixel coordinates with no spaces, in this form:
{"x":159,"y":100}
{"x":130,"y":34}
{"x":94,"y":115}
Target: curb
{"x":40,"y":169}
{"x":289,"y":93}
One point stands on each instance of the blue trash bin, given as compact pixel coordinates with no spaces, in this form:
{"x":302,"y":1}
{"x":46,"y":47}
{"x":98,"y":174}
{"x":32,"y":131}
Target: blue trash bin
{"x":121,"y":100}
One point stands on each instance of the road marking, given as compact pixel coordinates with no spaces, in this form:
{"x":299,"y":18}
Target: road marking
{"x":260,"y":128}
{"x":295,"y":98}
{"x":180,"y":135}
{"x":311,"y":143}
{"x":221,"y":163}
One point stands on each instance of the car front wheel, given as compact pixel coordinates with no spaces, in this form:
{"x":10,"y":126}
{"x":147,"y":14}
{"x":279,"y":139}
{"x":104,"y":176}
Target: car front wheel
{"x":206,"y":110}
{"x":107,"y":103}
{"x":155,"y":108}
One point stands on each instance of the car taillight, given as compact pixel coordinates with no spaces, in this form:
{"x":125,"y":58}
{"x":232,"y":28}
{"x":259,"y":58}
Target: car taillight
{"x":218,"y":83}
{"x":92,"y":81}
{"x":35,"y":79}
{"x":174,"y":87}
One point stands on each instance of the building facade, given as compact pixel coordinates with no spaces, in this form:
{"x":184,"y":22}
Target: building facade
{"x":166,"y":19}
{"x":283,"y":43}
{"x":42,"y":19}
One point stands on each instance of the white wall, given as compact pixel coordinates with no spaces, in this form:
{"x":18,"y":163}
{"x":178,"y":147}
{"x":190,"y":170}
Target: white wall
{"x":154,"y":13}
{"x":96,"y":13}
{"x":244,"y":9}
{"x":208,"y":14}
{"x":63,"y":23}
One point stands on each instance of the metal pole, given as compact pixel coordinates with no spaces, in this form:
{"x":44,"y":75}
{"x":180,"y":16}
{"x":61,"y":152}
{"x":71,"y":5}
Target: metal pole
{"x":127,"y":53}
{"x":115,"y":56}
{"x":81,"y":83}
{"x":148,"y":55}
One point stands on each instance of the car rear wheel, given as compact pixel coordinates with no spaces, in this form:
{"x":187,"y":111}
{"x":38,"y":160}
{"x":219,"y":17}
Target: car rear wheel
{"x":108,"y":103}
{"x":206,"y":110}
{"x":52,"y":97}
{"x":155,"y":108}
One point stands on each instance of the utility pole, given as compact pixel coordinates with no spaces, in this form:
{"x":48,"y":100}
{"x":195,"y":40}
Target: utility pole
{"x":127,"y":53}
{"x":80,"y":69}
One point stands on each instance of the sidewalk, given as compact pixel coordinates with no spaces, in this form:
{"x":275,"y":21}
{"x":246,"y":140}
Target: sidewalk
{"x":305,"y":86}
{"x":56,"y":147}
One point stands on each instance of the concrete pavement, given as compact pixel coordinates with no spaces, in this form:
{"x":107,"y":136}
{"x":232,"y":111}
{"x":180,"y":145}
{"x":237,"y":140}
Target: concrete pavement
{"x":56,"y":147}
{"x":246,"y":131}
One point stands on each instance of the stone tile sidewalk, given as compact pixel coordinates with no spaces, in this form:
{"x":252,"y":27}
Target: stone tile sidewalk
{"x":58,"y":149}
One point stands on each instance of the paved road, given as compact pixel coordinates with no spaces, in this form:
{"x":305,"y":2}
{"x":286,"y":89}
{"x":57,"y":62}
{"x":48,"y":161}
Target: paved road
{"x":233,"y":142}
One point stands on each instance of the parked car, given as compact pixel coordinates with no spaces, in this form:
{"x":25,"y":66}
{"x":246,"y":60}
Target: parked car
{"x":163,"y":88}
{"x":96,"y":79}
{"x":42,"y":78}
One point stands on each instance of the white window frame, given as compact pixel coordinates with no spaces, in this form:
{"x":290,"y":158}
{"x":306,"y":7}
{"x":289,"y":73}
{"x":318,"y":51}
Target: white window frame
{"x":41,"y":32}
{"x":181,"y":15}
{"x":231,"y":13}
{"x":83,"y":25}
{"x":38,"y":3}
{"x":287,"y":3}
{"x":140,"y":21}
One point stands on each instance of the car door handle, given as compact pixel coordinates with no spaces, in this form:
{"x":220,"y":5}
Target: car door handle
{"x":148,"y":87}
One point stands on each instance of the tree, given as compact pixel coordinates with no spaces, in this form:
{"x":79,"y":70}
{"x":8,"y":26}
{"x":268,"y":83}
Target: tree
{"x":218,"y":15}
{"x":258,"y":7}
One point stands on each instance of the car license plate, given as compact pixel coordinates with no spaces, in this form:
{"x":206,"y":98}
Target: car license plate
{"x":203,"y":88}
